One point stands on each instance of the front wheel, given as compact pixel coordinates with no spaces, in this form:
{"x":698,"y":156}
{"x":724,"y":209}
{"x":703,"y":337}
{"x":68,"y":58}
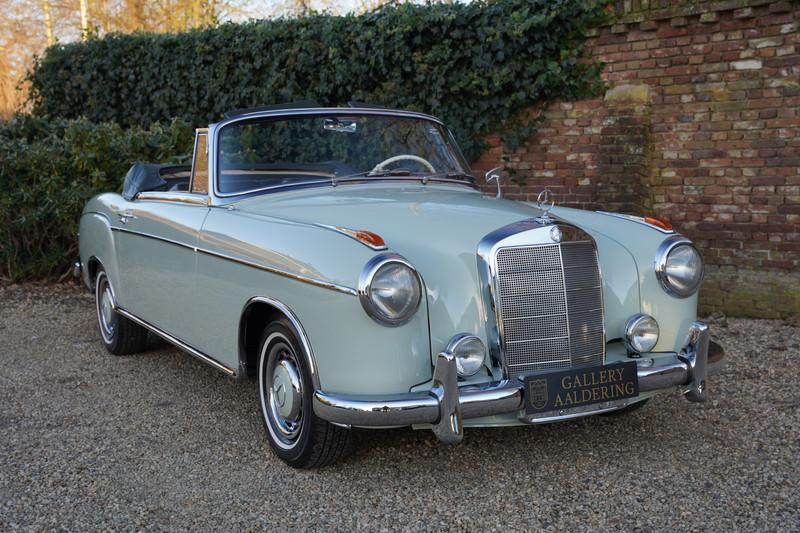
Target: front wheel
{"x":285,"y":390}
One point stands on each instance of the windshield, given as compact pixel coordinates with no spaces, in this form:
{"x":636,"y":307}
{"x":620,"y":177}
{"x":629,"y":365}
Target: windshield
{"x":276,"y":152}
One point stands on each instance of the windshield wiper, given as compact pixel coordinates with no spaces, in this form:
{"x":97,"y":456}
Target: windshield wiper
{"x":379,"y":174}
{"x":450,"y":176}
{"x":406,"y":174}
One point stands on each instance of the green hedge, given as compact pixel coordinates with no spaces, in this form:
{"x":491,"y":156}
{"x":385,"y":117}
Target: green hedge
{"x":474,"y":65}
{"x":50,"y":168}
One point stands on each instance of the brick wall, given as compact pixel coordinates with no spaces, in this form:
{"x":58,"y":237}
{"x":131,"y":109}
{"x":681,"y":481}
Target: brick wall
{"x":701,"y":126}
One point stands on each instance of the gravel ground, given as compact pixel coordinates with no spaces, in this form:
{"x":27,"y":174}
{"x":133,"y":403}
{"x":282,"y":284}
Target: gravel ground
{"x":160,"y":441}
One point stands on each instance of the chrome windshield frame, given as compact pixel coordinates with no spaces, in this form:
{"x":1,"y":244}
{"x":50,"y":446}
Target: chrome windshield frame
{"x":214,"y":130}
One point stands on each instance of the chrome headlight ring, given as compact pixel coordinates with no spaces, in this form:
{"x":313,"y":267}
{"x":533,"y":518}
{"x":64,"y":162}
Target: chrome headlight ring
{"x":641,"y":333}
{"x":662,"y":267}
{"x":469,"y":352}
{"x":379,"y":306}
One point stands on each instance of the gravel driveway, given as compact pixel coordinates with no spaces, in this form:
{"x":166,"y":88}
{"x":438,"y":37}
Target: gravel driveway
{"x":160,"y":441}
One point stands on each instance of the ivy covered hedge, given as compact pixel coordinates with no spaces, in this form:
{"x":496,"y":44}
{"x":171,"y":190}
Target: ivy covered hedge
{"x":50,"y":168}
{"x":101,"y":105}
{"x":474,"y":65}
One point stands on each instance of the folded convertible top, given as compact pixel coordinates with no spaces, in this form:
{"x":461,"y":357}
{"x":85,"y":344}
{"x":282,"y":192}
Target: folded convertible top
{"x":148,"y":177}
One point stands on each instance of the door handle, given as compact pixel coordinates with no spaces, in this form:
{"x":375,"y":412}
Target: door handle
{"x":125,"y":216}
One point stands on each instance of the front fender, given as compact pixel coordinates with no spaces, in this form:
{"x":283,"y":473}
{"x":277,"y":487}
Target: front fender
{"x":314,"y":272}
{"x":640,"y":242}
{"x":96,"y":240}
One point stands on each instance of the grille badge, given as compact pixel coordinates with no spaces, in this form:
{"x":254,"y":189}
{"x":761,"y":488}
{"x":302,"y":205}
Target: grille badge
{"x":555,"y":234}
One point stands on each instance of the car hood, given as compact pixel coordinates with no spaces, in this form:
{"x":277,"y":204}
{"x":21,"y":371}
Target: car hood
{"x":438,"y":228}
{"x":410,"y":218}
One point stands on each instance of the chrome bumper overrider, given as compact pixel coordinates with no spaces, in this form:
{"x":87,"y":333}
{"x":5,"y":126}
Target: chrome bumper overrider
{"x":446,"y":404}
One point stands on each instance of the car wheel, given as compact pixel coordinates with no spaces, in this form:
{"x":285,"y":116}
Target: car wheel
{"x":120,"y":335}
{"x":627,"y":409}
{"x":285,"y":390}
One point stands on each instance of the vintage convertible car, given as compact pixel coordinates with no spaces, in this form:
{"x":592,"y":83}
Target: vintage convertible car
{"x":346,"y":259}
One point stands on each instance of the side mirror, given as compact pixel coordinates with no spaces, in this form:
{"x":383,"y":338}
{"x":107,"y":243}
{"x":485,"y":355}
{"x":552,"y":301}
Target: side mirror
{"x":493,"y":176}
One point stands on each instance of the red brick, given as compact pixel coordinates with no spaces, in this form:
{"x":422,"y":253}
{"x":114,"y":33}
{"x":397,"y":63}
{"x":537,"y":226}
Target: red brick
{"x":716,"y":147}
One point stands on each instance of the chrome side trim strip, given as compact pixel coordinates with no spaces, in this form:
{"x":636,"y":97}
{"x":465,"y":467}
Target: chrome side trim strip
{"x":154,"y":237}
{"x":312,"y":281}
{"x":176,"y":341}
{"x":174,"y":196}
{"x":319,"y":283}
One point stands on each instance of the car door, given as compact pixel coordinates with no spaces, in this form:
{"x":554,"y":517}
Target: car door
{"x":156,"y":238}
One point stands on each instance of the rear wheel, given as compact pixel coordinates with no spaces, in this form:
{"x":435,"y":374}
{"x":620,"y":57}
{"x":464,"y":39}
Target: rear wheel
{"x":285,"y":389}
{"x":120,"y":335}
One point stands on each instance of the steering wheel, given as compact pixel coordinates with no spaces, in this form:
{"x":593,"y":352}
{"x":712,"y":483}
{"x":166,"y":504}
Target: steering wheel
{"x":380,"y":166}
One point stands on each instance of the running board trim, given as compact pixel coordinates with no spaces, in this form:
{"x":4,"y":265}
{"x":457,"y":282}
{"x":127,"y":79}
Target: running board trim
{"x":176,"y":342}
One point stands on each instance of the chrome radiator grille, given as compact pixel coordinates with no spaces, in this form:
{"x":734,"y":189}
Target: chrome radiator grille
{"x":549,"y":301}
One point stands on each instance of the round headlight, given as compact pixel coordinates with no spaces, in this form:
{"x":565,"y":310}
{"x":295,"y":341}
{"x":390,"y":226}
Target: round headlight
{"x":679,"y":267}
{"x":389,"y":289}
{"x":469,"y":352}
{"x":641,"y":333}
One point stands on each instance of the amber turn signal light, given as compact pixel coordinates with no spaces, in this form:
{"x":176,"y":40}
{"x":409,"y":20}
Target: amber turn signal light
{"x":372,"y":239}
{"x":657,"y":222}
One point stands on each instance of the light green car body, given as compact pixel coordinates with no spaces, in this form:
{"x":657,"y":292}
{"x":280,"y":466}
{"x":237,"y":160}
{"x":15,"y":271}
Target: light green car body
{"x":192,"y":268}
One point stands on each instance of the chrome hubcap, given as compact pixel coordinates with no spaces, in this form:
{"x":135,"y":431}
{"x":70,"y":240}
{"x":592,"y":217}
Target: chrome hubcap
{"x":281,"y":391}
{"x":286,"y":390}
{"x":105,"y":309}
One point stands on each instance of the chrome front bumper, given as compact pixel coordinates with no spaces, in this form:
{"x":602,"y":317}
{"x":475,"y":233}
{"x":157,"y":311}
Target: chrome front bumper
{"x":446,"y":405}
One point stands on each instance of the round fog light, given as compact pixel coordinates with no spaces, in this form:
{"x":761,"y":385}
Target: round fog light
{"x":641,"y":333}
{"x":469,"y":352}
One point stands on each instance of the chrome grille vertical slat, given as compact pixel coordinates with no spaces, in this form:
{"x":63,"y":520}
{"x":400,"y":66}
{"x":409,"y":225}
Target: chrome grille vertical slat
{"x":549,"y":306}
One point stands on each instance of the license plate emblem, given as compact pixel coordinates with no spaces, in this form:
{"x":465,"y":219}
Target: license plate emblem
{"x":567,"y":389}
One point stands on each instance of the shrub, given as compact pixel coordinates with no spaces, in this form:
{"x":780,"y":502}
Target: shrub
{"x":474,"y":65}
{"x":50,"y":168}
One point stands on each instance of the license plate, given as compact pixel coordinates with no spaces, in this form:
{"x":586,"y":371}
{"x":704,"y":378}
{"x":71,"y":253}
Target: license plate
{"x":553,"y":391}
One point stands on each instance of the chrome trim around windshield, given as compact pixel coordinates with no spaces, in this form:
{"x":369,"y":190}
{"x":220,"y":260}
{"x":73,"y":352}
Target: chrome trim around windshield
{"x":218,"y":198}
{"x":327,"y":111}
{"x":312,"y":281}
{"x":339,"y":181}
